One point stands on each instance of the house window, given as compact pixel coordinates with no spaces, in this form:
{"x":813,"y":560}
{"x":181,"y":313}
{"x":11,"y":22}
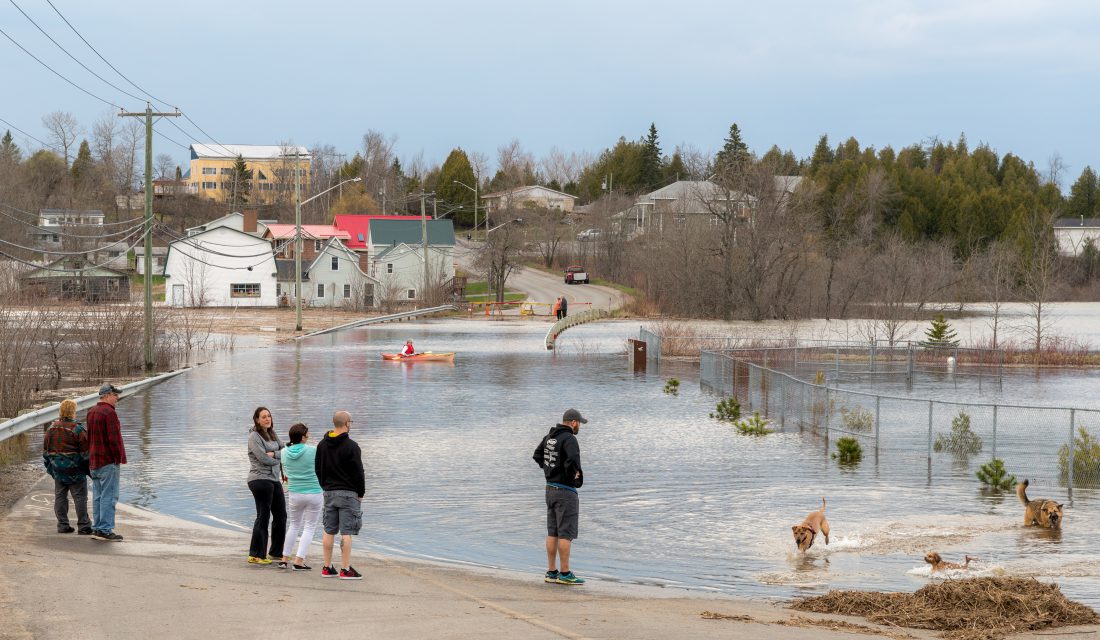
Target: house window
{"x":114,"y":254}
{"x":244,"y":290}
{"x":55,"y":238}
{"x":389,"y":267}
{"x":412,"y":294}
{"x":316,"y":245}
{"x":278,"y":289}
{"x":320,"y":289}
{"x":347,"y":291}
{"x":335,"y":263}
{"x":227,"y":171}
{"x":209,"y":171}
{"x":714,"y":219}
{"x":210,"y":185}
{"x":360,"y":237}
{"x":681,"y":219}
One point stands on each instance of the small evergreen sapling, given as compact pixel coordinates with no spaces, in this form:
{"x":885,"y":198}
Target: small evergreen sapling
{"x":754,"y":426}
{"x":672,"y":387}
{"x":993,"y":475}
{"x":727,"y":410}
{"x":962,"y":441}
{"x":1086,"y":459}
{"x":848,"y":451}
{"x":940,"y":334}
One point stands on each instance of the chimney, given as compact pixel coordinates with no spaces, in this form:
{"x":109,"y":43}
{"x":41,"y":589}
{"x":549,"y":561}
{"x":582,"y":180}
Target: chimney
{"x":249,"y":220}
{"x":364,"y":261}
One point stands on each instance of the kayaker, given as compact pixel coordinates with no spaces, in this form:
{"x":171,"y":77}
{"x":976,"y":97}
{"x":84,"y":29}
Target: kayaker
{"x":408,"y":350}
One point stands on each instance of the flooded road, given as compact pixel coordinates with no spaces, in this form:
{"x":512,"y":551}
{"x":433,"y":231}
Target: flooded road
{"x":671,"y":497}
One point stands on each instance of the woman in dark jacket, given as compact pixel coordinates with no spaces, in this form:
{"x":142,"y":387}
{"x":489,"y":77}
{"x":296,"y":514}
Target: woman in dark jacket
{"x":264,"y":481}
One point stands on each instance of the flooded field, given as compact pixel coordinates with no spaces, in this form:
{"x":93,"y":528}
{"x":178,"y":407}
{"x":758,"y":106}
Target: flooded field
{"x":671,"y":497}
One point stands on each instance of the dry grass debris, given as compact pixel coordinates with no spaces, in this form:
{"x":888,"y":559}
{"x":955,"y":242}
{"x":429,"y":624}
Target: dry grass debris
{"x":971,"y":609}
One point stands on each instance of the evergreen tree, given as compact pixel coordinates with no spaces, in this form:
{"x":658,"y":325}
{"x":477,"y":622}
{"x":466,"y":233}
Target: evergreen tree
{"x":457,"y":168}
{"x":9,"y":151}
{"x":83,"y":165}
{"x":179,"y":173}
{"x":1084,"y":196}
{"x":238,"y":184}
{"x":675,"y":169}
{"x":649,"y":174}
{"x":940,"y":334}
{"x":822,"y":156}
{"x":734,"y":154}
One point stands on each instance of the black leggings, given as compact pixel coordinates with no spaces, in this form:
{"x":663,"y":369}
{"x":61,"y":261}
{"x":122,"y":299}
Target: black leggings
{"x":270,"y":505}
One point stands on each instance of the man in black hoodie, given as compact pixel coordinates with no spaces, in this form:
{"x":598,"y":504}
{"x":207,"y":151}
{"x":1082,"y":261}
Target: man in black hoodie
{"x":339,"y":466}
{"x":559,"y":455}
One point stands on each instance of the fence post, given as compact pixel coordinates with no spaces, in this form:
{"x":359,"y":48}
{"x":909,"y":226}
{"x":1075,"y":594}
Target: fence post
{"x":994,"y":432}
{"x":872,"y":356}
{"x":735,"y":368}
{"x":929,"y":440}
{"x":783,"y":406}
{"x":909,"y":367}
{"x":1069,"y":468}
{"x":827,"y":412}
{"x":836,"y":364}
{"x":878,"y":400}
{"x":801,"y":405}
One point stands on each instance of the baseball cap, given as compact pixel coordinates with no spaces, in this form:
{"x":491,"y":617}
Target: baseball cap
{"x":108,"y":388}
{"x":573,"y":414}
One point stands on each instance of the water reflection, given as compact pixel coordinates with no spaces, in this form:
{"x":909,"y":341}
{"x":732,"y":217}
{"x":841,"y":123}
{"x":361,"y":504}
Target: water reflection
{"x":447,"y":454}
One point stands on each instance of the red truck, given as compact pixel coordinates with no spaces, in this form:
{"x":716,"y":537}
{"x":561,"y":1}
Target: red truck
{"x":576,"y":275}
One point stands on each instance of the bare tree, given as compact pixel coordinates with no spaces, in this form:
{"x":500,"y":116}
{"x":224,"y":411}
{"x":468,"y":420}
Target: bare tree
{"x":64,"y":131}
{"x":500,"y":255}
{"x":164,"y":165}
{"x":515,"y":166}
{"x":196,"y":276}
{"x":1039,"y":278}
{"x":995,"y":271}
{"x":545,"y":227}
{"x":131,"y":141}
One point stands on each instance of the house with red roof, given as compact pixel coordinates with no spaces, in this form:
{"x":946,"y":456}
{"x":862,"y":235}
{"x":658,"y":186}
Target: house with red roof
{"x":358,"y":228}
{"x":314,"y":237}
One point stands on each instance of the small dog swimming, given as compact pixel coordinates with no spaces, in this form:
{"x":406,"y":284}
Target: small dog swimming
{"x":1041,"y":512}
{"x":938,"y":564}
{"x":805,"y":533}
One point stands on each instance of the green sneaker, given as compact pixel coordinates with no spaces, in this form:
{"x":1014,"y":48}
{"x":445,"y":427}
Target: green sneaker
{"x":551,"y":576}
{"x":569,"y":578}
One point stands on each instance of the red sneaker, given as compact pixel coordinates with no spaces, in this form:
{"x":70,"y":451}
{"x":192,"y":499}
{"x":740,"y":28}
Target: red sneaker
{"x":329,"y":572}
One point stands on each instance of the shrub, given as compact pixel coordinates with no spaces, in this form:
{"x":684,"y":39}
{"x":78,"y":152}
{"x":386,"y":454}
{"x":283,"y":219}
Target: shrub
{"x":1086,"y":459}
{"x":940,"y":334}
{"x":962,"y":441}
{"x":727,"y":410}
{"x":848,"y":451}
{"x":754,"y":426}
{"x":993,"y":475}
{"x":858,"y":419}
{"x":672,"y":387}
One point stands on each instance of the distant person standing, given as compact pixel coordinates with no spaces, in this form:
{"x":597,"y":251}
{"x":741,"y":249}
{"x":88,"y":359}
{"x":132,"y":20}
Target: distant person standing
{"x":559,"y":455}
{"x":65,"y":455}
{"x":557,"y":308}
{"x":106,"y":454}
{"x":264,"y":481}
{"x":564,"y":307}
{"x":299,"y":463}
{"x":339,"y":469}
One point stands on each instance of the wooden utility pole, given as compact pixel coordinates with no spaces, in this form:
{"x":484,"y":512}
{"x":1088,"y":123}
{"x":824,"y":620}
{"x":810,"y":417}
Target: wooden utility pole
{"x":424,"y":242}
{"x":149,"y":114}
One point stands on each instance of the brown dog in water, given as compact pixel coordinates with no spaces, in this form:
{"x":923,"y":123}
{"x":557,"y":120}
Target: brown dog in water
{"x":805,"y":533}
{"x":938,"y":564}
{"x":1041,"y":512}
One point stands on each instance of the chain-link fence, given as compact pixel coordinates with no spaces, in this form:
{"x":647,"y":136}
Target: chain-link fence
{"x":795,"y":389}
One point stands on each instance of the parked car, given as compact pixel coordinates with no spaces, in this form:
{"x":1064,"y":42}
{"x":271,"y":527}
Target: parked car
{"x":590,"y":234}
{"x":576,"y":275}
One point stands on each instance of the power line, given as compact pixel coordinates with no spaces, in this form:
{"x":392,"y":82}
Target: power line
{"x":35,"y":216}
{"x":70,"y":235}
{"x":49,"y":267}
{"x":56,"y":73}
{"x":67,"y":253}
{"x":24,"y":132}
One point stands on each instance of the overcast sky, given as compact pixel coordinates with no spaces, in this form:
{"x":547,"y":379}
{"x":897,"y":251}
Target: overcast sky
{"x":1020,"y":76}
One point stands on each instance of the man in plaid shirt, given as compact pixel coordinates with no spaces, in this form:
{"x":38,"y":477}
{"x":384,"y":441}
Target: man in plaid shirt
{"x":106,"y":452}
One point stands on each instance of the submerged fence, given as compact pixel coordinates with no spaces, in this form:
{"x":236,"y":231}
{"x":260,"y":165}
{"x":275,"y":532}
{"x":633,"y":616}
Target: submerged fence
{"x":796,"y":389}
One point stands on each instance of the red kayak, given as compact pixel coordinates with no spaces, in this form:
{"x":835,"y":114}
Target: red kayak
{"x":427,"y":356}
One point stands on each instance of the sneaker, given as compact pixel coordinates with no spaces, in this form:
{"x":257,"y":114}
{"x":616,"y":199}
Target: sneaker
{"x":98,"y":535}
{"x":569,"y":578}
{"x":551,"y":576}
{"x":65,"y":529}
{"x":255,"y":560}
{"x":281,"y":564}
{"x":329,"y":572}
{"x":110,"y":536}
{"x":350,"y":574}
{"x":86,"y":531}
{"x":301,"y":567}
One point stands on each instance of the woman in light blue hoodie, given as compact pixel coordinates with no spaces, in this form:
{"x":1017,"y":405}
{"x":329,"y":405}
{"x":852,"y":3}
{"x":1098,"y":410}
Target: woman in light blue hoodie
{"x":304,"y":494}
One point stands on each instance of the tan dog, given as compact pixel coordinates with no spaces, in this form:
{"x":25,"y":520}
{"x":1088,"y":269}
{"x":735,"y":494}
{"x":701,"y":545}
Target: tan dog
{"x":938,"y":564}
{"x":805,"y":533}
{"x":1041,"y":512}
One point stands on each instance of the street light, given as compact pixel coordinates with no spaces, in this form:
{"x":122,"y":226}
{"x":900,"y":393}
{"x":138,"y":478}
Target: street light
{"x":474,"y":189}
{"x":489,"y":279}
{"x":298,"y":202}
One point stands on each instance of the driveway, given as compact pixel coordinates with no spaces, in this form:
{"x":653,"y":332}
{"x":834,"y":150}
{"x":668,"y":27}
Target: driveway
{"x":541,"y":286}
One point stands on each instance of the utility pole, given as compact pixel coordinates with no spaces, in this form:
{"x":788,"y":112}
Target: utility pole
{"x":297,"y":245}
{"x":424,"y":242}
{"x":148,"y":114}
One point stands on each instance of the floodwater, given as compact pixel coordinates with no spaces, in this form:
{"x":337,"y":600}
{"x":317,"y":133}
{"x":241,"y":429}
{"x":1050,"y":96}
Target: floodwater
{"x":671,"y":497}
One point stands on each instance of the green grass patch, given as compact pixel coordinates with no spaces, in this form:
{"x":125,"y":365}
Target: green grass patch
{"x":630,"y":291}
{"x":508,"y":297}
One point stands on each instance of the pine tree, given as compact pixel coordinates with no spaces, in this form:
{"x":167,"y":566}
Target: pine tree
{"x":822,"y":156}
{"x":675,"y":169}
{"x":649,"y":173}
{"x":940,"y":334}
{"x":239,"y":184}
{"x":734,"y":154}
{"x":1084,"y":196}
{"x":83,"y":165}
{"x":9,"y":151}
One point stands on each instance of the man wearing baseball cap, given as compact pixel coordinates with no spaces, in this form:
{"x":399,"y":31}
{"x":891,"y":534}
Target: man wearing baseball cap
{"x":559,"y":455}
{"x":106,"y":452}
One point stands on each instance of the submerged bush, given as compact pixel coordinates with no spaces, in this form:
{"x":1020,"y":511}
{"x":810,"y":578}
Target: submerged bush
{"x":962,"y":441}
{"x":727,"y":410}
{"x":1086,"y":459}
{"x":848,"y":451}
{"x":754,"y":426}
{"x":993,"y":475}
{"x":858,"y":419}
{"x":672,"y":387}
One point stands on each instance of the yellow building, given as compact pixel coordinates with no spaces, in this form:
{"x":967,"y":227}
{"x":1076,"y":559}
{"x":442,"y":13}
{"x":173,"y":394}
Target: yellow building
{"x":272,"y":166}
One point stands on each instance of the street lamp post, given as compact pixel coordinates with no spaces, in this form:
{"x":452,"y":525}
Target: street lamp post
{"x":298,"y":202}
{"x":489,"y":277}
{"x":474,"y":189}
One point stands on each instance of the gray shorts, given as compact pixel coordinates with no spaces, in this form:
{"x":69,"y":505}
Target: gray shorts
{"x":563,"y":510}
{"x":343,"y":513}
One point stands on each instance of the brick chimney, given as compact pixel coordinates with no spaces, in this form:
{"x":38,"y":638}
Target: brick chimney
{"x":364,"y":262}
{"x":249,"y":220}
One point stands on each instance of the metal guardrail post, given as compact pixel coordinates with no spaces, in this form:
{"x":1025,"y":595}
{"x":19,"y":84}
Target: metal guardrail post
{"x":1069,"y":466}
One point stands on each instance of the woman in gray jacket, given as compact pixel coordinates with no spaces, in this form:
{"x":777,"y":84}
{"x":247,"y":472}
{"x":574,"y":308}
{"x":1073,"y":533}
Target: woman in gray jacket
{"x":264,"y":481}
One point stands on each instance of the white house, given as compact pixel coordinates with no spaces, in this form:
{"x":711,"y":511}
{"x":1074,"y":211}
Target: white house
{"x":533,"y":195}
{"x":1073,"y":233}
{"x":335,"y":279}
{"x":220,"y":267}
{"x":246,"y":222}
{"x":399,"y":270}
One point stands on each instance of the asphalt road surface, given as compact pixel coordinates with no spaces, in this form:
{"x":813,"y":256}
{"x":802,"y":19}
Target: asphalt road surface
{"x":544,"y":287}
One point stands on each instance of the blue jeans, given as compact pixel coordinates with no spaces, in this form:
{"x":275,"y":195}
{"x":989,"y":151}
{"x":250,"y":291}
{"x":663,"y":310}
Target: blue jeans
{"x":104,"y":498}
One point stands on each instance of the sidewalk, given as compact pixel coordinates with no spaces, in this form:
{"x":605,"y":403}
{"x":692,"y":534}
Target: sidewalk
{"x":177,"y":579}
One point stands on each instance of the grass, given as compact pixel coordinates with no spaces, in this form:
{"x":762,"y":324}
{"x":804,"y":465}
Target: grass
{"x":137,"y":286}
{"x":479,"y":292}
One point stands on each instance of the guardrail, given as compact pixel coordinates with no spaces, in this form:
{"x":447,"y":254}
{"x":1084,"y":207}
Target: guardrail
{"x":415,"y":313}
{"x":571,"y":321}
{"x":47,"y":414}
